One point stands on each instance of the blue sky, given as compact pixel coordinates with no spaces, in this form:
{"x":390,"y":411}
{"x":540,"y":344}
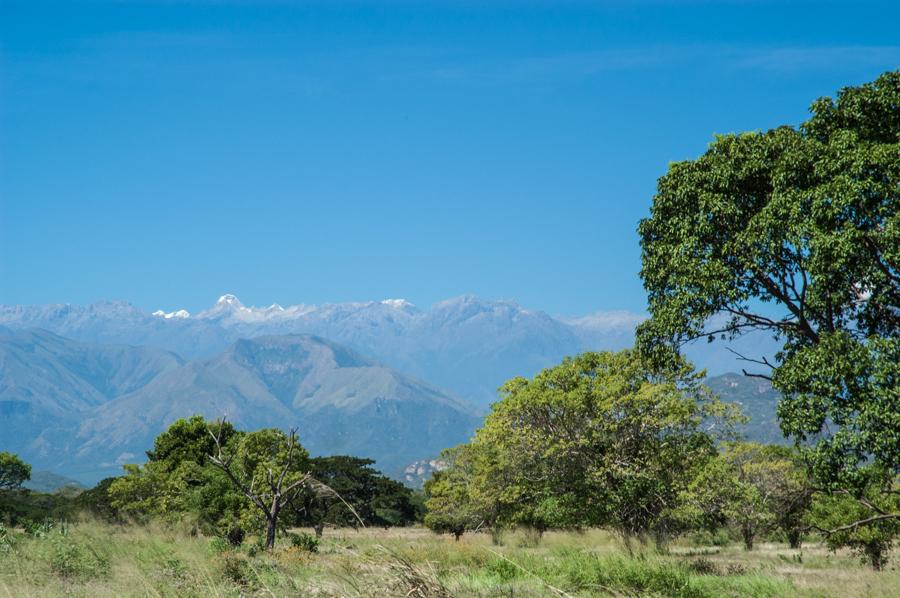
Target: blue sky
{"x":169,"y":152}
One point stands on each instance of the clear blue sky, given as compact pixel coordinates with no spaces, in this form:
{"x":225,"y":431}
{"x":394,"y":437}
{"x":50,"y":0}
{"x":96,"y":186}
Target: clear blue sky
{"x":168,"y":152}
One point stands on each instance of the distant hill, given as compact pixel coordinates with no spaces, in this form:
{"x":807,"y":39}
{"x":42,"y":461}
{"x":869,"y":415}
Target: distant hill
{"x":47,"y":380}
{"x":758,"y":400}
{"x":47,"y":481}
{"x":85,"y":409}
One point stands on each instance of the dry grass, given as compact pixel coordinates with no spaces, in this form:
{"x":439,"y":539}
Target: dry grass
{"x":96,"y":560}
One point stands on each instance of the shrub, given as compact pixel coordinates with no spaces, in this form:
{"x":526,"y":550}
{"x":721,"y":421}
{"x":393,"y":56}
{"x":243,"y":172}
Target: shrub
{"x":235,"y":535}
{"x":704,"y":566}
{"x":218,"y":545}
{"x":531,"y":537}
{"x":7,"y":540}
{"x":704,"y":537}
{"x":73,"y":560}
{"x":305,"y":541}
{"x":496,"y":535}
{"x":38,"y":529}
{"x":236,"y":569}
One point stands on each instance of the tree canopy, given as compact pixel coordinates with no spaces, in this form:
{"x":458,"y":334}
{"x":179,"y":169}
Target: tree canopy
{"x":596,"y":440}
{"x":795,"y":232}
{"x":228,"y":481}
{"x":13,"y":471}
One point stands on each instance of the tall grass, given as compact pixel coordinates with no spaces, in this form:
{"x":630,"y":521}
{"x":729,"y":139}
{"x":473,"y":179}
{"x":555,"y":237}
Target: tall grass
{"x":96,"y":559}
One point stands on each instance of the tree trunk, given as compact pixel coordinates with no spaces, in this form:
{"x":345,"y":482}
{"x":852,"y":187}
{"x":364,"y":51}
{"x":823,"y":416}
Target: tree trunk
{"x":795,"y":539}
{"x":270,"y":533}
{"x":876,"y":556}
{"x":319,"y":528}
{"x":271,"y":524}
{"x":747,"y":532}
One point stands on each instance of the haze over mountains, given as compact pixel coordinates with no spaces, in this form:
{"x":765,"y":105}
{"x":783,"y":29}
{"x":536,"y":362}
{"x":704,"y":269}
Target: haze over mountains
{"x":85,"y":389}
{"x":466,"y":345}
{"x":85,"y":409}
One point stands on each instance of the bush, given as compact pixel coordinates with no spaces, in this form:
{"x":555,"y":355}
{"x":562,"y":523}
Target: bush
{"x":235,"y":535}
{"x":706,"y":538}
{"x":218,"y":545}
{"x":305,"y":541}
{"x":73,"y":560}
{"x":6,"y":539}
{"x":38,"y":529}
{"x":237,"y":569}
{"x":704,"y":566}
{"x":496,"y":535}
{"x":531,"y":537}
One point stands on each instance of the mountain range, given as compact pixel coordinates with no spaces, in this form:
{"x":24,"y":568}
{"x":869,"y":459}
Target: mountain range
{"x":85,"y":409}
{"x":84,"y":389}
{"x":466,"y":345}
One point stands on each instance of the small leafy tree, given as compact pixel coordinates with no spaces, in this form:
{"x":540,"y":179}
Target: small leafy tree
{"x":450,"y":506}
{"x":267,"y":467}
{"x":13,"y":471}
{"x":270,"y":469}
{"x":751,"y":486}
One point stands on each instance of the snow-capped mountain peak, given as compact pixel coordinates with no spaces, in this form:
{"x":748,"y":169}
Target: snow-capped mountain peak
{"x":229,"y":300}
{"x":181,"y":313}
{"x":229,"y":308}
{"x":398,"y":303}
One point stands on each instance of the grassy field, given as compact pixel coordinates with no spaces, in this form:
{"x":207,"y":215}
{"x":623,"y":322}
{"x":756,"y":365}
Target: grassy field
{"x":93,"y":559}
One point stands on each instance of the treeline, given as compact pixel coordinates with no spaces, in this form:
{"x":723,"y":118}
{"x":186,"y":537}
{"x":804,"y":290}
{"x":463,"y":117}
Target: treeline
{"x":181,"y":483}
{"x":600,"y":441}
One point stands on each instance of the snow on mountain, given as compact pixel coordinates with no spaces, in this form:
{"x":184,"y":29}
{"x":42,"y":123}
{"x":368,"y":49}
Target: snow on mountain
{"x":181,"y":313}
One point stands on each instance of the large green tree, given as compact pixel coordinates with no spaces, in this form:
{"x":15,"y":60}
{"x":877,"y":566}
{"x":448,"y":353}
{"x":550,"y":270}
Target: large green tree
{"x":376,"y":499}
{"x":178,"y":480}
{"x":596,"y":440}
{"x":795,"y":232}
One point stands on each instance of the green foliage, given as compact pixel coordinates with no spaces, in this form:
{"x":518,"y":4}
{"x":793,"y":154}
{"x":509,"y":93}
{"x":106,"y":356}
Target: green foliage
{"x":7,"y":539}
{"x":97,"y":501}
{"x":597,"y":440}
{"x":304,"y":541}
{"x":178,"y":481}
{"x":74,"y":559}
{"x":751,"y":486}
{"x":188,"y":440}
{"x":13,"y":471}
{"x":379,"y":501}
{"x":218,"y":545}
{"x":450,"y":506}
{"x":795,"y":232}
{"x":20,"y":506}
{"x":237,"y":569}
{"x":840,"y":513}
{"x":851,"y":387}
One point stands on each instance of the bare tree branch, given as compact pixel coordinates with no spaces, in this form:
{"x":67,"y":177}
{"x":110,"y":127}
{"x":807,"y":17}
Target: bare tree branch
{"x":271,"y":502}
